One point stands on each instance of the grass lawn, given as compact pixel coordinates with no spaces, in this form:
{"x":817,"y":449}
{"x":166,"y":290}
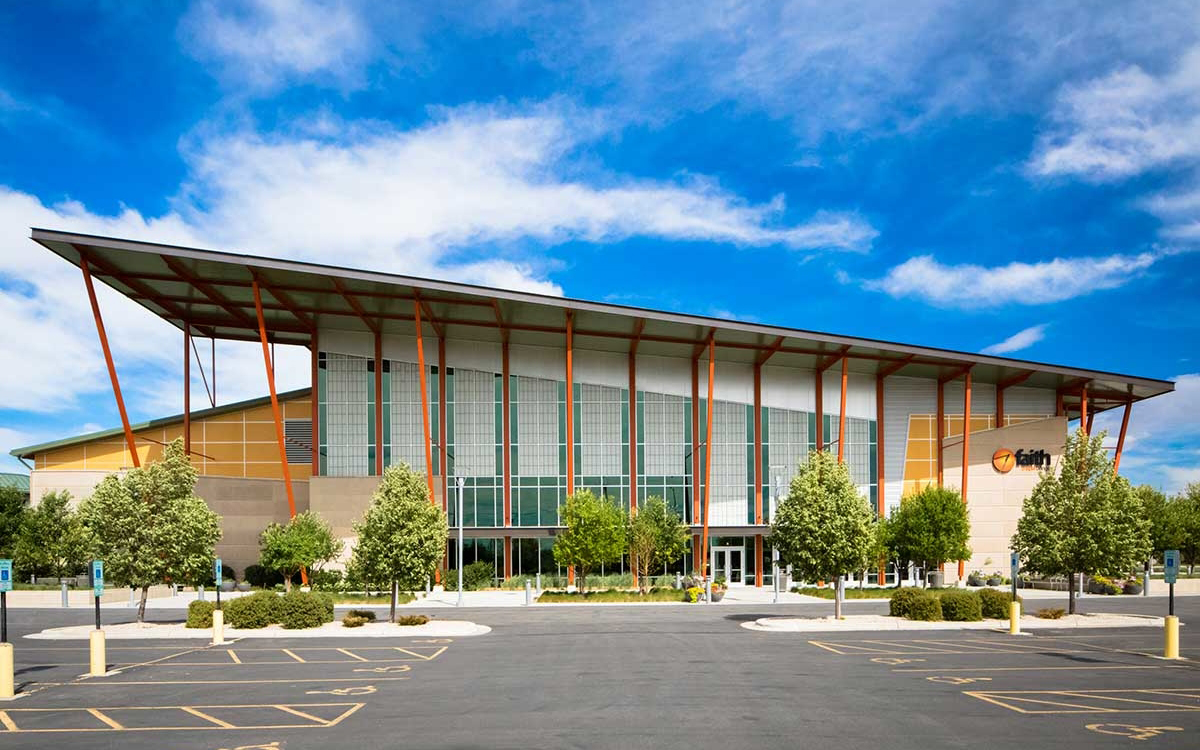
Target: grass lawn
{"x":849,"y":593}
{"x":375,"y":600}
{"x":613,"y":595}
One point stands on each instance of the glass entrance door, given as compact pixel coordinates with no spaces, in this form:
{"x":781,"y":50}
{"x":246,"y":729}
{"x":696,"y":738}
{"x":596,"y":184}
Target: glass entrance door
{"x":727,"y":564}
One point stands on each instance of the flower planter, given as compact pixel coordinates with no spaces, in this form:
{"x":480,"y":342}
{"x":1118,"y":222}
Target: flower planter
{"x":1131,"y":588}
{"x":974,"y":580}
{"x":995,"y":580}
{"x":718,"y":594}
{"x":243,"y":586}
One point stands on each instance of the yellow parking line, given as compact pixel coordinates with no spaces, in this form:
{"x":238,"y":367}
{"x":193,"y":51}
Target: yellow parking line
{"x":301,"y":714}
{"x":99,"y":715}
{"x":431,"y":657}
{"x":234,"y":656}
{"x":7,"y":721}
{"x":293,"y":655}
{"x":1081,"y":708}
{"x":352,"y":654}
{"x":206,"y":717}
{"x":1044,"y":669}
{"x":1080,"y":694}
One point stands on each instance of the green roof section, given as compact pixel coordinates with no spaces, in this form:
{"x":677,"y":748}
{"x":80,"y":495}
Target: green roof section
{"x":28,"y":451}
{"x":16,"y":481}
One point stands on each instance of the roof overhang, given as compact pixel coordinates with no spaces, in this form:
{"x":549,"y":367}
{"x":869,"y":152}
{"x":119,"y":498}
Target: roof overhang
{"x":211,"y":292}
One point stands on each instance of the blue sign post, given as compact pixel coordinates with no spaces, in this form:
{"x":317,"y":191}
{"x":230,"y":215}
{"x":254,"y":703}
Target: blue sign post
{"x":217,"y":579}
{"x":1014,"y":567}
{"x":5,"y":587}
{"x":1170,"y":573}
{"x":98,"y":586}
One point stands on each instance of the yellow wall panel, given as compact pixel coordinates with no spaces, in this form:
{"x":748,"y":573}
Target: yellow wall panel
{"x":260,"y":432}
{"x":921,"y":450}
{"x":299,"y":409}
{"x":262,"y":452}
{"x":920,"y":428}
{"x":223,"y":433}
{"x":264,"y":471}
{"x":260,"y":414}
{"x":221,"y":452}
{"x":66,"y":457}
{"x":235,"y":416}
{"x":214,"y":468}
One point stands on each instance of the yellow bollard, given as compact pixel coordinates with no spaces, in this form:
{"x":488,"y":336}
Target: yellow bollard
{"x":1014,"y":618}
{"x":218,"y":627}
{"x":6,"y":670}
{"x":99,"y":664}
{"x":1171,"y":631}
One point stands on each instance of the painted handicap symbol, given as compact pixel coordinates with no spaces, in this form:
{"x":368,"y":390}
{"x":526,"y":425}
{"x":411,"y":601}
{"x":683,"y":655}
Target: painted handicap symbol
{"x":385,"y":670}
{"x":1132,"y":731}
{"x":958,"y":680}
{"x":893,"y":660}
{"x":361,"y":690}
{"x":269,"y":746}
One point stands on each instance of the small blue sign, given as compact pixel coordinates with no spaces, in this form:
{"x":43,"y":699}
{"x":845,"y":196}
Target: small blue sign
{"x":5,"y":575}
{"x":1014,"y":564}
{"x":1170,"y":565}
{"x":217,"y":571}
{"x":98,"y":577}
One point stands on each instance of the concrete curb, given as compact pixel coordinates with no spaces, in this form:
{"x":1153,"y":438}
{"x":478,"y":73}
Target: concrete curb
{"x":158,"y":631}
{"x":853,"y":623}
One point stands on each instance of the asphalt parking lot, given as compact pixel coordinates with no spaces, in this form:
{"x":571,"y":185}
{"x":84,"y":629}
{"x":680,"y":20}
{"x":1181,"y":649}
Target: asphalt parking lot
{"x":619,"y":677}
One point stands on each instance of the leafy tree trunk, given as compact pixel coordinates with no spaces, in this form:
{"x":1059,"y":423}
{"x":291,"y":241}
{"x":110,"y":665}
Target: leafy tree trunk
{"x":287,"y":583}
{"x":141,"y":616}
{"x":1071,"y":595}
{"x":395,"y":590}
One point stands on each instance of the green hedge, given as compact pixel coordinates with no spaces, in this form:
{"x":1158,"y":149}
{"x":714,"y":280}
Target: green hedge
{"x":258,"y":610}
{"x":960,"y":605}
{"x":902,"y":600}
{"x":995,"y":604}
{"x":927,"y":607}
{"x":200,"y":614}
{"x":300,"y":610}
{"x":366,"y":614}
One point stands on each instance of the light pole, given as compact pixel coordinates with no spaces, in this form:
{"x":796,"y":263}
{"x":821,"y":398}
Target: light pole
{"x":774,"y":549}
{"x":458,"y":483}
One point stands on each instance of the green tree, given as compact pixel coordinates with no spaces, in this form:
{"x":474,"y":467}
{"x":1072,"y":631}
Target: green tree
{"x":402,"y":536}
{"x":13,"y":506}
{"x":150,"y":527}
{"x":1087,"y":519}
{"x":1184,"y":513}
{"x":306,"y":541}
{"x":657,"y":537}
{"x":595,"y":534}
{"x":824,"y":528}
{"x":930,"y":527}
{"x":52,"y":540}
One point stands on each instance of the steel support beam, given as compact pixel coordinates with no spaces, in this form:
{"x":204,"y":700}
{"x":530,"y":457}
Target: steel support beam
{"x":570,"y":356}
{"x":424,"y":402}
{"x":966,"y":448}
{"x":1121,"y":436}
{"x":315,"y":399}
{"x":442,"y":431}
{"x":712,"y":364}
{"x":842,"y":414}
{"x":108,"y":360}
{"x":379,"y":436}
{"x":187,"y":391}
{"x":880,"y":464}
{"x":941,"y":428}
{"x":506,"y":436}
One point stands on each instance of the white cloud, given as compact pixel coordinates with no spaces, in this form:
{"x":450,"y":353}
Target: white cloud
{"x":267,"y":43}
{"x":1022,"y":339}
{"x":460,"y":198}
{"x":975,"y":286}
{"x":1124,"y":124}
{"x":1162,"y":444}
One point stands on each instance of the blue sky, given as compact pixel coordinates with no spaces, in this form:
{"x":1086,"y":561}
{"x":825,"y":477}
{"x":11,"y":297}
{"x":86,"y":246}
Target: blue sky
{"x":1016,"y":178}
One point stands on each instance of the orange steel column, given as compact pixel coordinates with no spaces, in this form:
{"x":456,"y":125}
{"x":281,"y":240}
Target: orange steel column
{"x":880,"y":465}
{"x":1084,"y":421}
{"x":570,"y":353}
{"x":424,"y":401}
{"x":966,"y":448}
{"x":570,"y":403}
{"x":108,"y":360}
{"x":819,"y":374}
{"x":379,"y":402}
{"x":941,"y":427}
{"x":758,"y":477}
{"x":314,"y":398}
{"x":633,"y":495}
{"x":999,"y":407}
{"x":187,"y":391}
{"x":506,"y":436}
{"x":695,"y":453}
{"x":443,"y":432}
{"x":1121,"y":437}
{"x":712,"y":364}
{"x":842,"y":415}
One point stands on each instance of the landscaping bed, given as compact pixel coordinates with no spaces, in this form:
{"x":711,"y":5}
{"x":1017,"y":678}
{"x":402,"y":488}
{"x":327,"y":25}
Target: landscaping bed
{"x":613,"y":595}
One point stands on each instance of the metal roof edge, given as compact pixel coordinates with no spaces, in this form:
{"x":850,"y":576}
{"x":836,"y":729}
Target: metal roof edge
{"x":155,"y":423}
{"x":51,"y":235}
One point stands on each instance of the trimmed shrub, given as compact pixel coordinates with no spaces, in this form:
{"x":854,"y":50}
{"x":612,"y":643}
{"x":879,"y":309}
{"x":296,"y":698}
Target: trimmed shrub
{"x":412,"y":619}
{"x":927,"y":607}
{"x":200,"y":614}
{"x":902,"y":600}
{"x":326,"y":600}
{"x":995,"y":604}
{"x":260,"y":577}
{"x":959,"y":605}
{"x":350,"y":621}
{"x":478,"y":575}
{"x":258,"y":610}
{"x":366,"y":614}
{"x":1051,"y":613}
{"x":326,"y":580}
{"x":303,"y":610}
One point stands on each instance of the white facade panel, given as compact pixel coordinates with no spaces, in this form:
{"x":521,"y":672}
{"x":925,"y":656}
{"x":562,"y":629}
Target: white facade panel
{"x":474,"y":355}
{"x":1030,"y":401}
{"x":534,"y":361}
{"x":670,"y":375}
{"x":600,"y":368}
{"x":354,"y":343}
{"x":734,"y":381}
{"x":788,"y":388}
{"x":860,"y":394}
{"x":983,"y":398}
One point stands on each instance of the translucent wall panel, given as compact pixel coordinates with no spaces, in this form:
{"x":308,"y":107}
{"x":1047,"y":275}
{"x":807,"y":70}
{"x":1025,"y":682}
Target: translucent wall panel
{"x":601,"y":415}
{"x":730,"y":475}
{"x":346,"y":423}
{"x":407,"y":423}
{"x":664,"y":420}
{"x":537,"y":441}
{"x":474,"y":423}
